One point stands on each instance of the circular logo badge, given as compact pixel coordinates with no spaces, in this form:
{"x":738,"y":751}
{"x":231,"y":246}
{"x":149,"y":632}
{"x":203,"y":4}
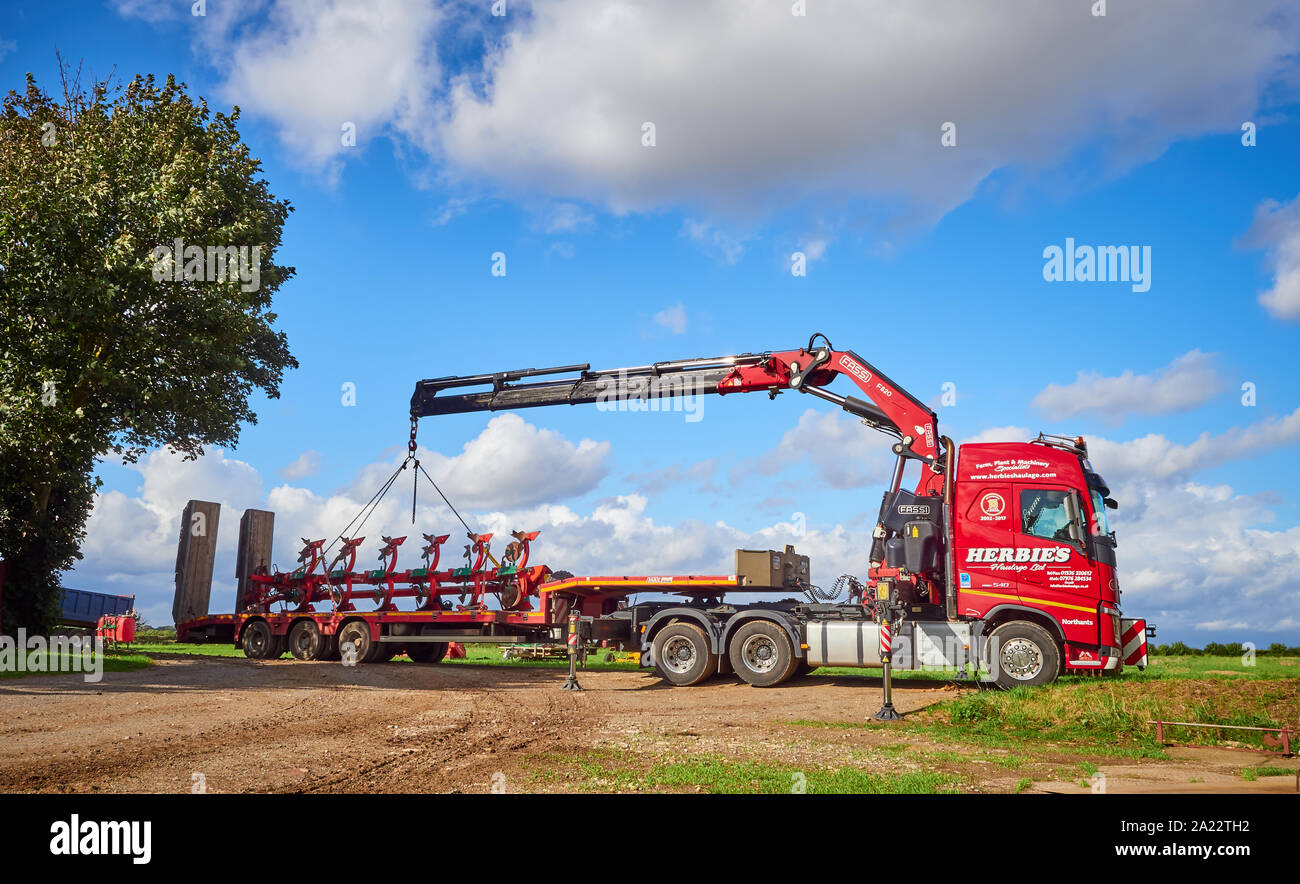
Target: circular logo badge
{"x":992,"y":504}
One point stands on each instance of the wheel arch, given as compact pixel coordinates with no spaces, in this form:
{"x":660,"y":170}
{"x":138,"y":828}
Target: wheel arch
{"x":672,"y":615}
{"x":243,"y":627}
{"x":372,"y":625}
{"x":1003,"y":614}
{"x":787,"y":624}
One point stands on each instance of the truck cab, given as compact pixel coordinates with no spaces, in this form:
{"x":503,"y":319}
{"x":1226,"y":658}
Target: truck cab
{"x":1031,"y":542}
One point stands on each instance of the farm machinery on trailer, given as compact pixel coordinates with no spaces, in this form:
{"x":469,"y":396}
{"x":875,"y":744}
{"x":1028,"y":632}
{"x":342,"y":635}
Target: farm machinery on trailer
{"x":998,"y":562}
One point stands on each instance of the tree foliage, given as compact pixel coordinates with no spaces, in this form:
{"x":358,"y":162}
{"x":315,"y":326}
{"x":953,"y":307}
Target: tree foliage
{"x":106,"y":347}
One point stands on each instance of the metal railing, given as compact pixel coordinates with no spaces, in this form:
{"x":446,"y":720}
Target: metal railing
{"x":1283,"y":732}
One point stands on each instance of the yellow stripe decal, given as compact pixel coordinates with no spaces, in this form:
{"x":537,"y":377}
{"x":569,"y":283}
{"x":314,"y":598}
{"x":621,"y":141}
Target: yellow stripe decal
{"x":1014,"y":598}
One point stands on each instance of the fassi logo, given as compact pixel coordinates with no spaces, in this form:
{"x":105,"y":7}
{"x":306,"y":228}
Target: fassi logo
{"x":853,"y":367}
{"x":1023,"y":554}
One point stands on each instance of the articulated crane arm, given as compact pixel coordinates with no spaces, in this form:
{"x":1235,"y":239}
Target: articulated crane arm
{"x":887,"y":407}
{"x":807,"y":370}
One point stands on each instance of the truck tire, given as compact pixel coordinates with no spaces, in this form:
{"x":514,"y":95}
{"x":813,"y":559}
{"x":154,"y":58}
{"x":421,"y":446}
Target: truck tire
{"x":356,"y":633}
{"x":683,"y":656}
{"x":259,"y":643}
{"x":305,"y":641}
{"x":330,"y":649}
{"x":426,"y":652}
{"x":1027,"y":654}
{"x":762,"y":655}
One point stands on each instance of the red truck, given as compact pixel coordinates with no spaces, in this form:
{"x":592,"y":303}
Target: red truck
{"x":997,"y":562}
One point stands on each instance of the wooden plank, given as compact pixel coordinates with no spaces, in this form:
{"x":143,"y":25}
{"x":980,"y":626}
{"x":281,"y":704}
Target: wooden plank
{"x":256,"y":533}
{"x":196,"y":551}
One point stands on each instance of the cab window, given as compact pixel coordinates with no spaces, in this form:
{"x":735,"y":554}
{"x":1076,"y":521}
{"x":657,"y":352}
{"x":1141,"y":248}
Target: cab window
{"x":1043,"y":514}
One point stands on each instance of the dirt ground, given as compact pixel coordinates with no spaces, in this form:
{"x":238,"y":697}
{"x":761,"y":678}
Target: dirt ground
{"x":237,"y":725}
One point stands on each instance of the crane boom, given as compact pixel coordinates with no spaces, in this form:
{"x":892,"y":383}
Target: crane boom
{"x":807,"y":370}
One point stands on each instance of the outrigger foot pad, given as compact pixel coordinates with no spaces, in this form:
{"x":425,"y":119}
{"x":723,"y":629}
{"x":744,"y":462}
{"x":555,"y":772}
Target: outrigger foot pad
{"x":888,"y":713}
{"x":571,"y":684}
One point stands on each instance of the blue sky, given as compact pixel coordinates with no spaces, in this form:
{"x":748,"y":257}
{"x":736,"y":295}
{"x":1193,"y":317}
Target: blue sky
{"x":522,"y":134}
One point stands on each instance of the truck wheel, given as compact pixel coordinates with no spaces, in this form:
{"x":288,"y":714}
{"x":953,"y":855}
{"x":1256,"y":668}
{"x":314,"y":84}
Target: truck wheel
{"x":305,"y":641}
{"x":762,"y":655}
{"x":355,"y":635}
{"x":426,"y":652}
{"x":683,"y":656}
{"x":259,"y":642}
{"x":1027,"y":655}
{"x":330,"y":647}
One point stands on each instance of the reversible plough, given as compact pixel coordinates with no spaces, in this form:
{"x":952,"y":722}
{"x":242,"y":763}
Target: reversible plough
{"x":511,"y":580}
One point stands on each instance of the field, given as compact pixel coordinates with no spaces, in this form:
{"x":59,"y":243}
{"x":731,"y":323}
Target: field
{"x":204,"y":715}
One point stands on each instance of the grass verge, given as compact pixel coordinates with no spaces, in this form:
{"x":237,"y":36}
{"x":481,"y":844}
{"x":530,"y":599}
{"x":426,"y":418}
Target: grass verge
{"x":604,"y":771}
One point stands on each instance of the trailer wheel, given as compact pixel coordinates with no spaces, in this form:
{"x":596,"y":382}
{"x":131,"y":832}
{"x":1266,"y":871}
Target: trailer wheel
{"x":356,"y":635}
{"x":330,"y":647}
{"x":427,"y":652}
{"x":1026,"y":655}
{"x":306,"y":642}
{"x":683,"y":656}
{"x":259,"y":642}
{"x":762,"y":655}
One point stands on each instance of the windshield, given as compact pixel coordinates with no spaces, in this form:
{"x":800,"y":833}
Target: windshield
{"x":1100,"y":525}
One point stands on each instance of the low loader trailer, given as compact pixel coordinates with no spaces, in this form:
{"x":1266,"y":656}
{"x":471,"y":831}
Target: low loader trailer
{"x":998,"y":562}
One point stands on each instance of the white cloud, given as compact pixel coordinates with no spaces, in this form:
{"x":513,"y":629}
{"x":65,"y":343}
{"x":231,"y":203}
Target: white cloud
{"x":1155,"y":456}
{"x":617,"y":537}
{"x":1001,"y":434}
{"x":304,"y":465}
{"x":310,"y":66}
{"x":698,"y":475}
{"x":1276,"y":228}
{"x":451,"y":210}
{"x":720,"y":243}
{"x":1194,"y":557}
{"x":514,"y":462}
{"x":566,"y":218}
{"x":757,"y":109}
{"x":672,"y":318}
{"x":815,"y":248}
{"x":843,"y":452}
{"x":1187,"y":382}
{"x":130,"y":543}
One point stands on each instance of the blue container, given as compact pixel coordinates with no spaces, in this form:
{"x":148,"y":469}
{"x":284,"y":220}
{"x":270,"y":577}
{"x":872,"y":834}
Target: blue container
{"x":81,"y":608}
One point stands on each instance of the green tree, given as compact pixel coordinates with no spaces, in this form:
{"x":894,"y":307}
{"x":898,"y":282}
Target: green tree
{"x":110,"y":344}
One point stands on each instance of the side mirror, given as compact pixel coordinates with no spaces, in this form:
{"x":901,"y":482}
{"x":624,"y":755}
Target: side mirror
{"x":1111,"y":503}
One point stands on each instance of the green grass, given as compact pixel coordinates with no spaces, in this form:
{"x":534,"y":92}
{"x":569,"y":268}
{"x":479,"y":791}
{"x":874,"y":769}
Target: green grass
{"x":490,"y":655}
{"x":204,"y":649}
{"x":1251,"y":774}
{"x":113,"y":662}
{"x":1226,"y":668}
{"x":159,"y":642}
{"x":1068,"y":717}
{"x":604,"y":771}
